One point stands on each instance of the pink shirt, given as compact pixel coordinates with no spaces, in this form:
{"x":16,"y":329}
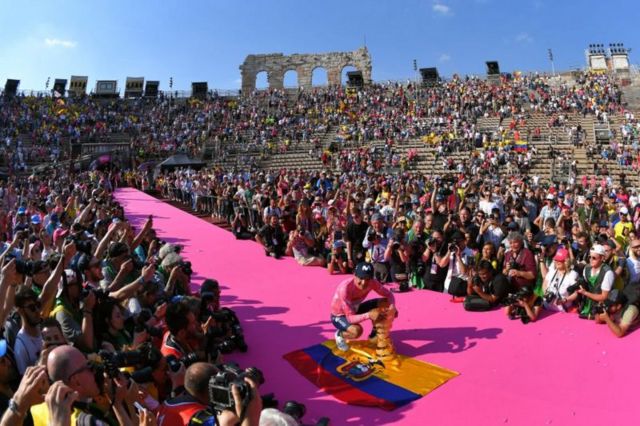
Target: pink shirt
{"x":348,"y":296}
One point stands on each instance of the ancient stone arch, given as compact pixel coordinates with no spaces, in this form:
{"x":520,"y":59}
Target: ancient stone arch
{"x":277,"y":64}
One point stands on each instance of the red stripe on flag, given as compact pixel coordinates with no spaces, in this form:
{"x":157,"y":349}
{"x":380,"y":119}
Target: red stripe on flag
{"x":335,"y":387}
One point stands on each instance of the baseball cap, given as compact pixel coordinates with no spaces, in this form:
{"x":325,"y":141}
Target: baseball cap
{"x":598,"y":249}
{"x":548,"y":240}
{"x":550,"y":197}
{"x":22,"y":210}
{"x":35,"y":219}
{"x":561,"y":255}
{"x":364,"y":270}
{"x":59,"y":233}
{"x":624,"y":210}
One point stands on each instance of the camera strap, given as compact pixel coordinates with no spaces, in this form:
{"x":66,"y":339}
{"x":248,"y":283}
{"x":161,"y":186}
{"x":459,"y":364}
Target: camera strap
{"x":558,"y":285}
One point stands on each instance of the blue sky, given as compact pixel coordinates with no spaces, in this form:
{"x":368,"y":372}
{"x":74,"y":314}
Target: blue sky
{"x":202,"y":40}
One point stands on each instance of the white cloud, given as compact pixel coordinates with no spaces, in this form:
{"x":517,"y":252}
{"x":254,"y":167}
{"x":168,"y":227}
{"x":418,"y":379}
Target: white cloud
{"x":445,"y":57}
{"x":441,"y":9}
{"x":56,"y":42}
{"x":524,"y":38}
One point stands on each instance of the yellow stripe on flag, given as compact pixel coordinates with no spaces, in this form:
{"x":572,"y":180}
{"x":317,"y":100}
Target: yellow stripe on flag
{"x":416,"y":376}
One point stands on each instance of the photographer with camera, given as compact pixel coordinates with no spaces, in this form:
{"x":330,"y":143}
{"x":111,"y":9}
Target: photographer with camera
{"x":599,"y":281}
{"x":433,"y":257}
{"x":396,"y":256}
{"x":486,"y":289}
{"x":560,"y":278}
{"x":272,"y":237}
{"x":185,"y":334}
{"x":621,"y":311}
{"x":525,"y":305}
{"x":376,"y":241}
{"x":180,"y":409}
{"x":354,"y":235}
{"x":519,"y":262}
{"x":458,"y":260}
{"x":300,"y":242}
{"x":75,"y":313}
{"x":68,"y":365}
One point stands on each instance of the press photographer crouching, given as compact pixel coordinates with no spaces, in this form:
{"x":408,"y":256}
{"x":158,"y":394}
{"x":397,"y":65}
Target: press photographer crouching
{"x":621,"y":310}
{"x":486,"y":289}
{"x":524,"y":304}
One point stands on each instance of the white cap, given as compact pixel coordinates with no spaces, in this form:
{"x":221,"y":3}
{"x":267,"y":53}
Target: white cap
{"x":624,"y":210}
{"x":598,"y":249}
{"x":550,"y":197}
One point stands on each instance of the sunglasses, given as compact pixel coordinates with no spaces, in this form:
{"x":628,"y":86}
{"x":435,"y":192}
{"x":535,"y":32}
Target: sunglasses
{"x":82,"y":369}
{"x":34,"y":307}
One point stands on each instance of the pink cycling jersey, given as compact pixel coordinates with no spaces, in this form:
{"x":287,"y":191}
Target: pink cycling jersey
{"x":348,"y":296}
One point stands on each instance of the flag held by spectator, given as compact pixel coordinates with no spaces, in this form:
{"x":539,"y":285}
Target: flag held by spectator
{"x":356,"y":378}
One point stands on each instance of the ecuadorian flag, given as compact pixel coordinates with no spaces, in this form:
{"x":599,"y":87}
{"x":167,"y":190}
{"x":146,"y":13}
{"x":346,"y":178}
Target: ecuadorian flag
{"x":521,"y":146}
{"x":355,"y":378}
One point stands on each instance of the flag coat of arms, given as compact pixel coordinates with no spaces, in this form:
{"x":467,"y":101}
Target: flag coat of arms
{"x":357,"y":378}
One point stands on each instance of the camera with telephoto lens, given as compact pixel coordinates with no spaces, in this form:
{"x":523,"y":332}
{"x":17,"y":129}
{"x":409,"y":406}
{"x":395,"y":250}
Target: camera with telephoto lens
{"x":297,"y":410}
{"x":141,"y":324}
{"x":230,"y":336}
{"x":453,"y":247}
{"x":230,"y":374}
{"x":513,"y":298}
{"x":599,"y":308}
{"x":113,"y":361}
{"x":24,"y":267}
{"x":175,"y":363}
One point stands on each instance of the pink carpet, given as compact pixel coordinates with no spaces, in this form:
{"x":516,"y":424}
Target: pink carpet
{"x":560,"y":370}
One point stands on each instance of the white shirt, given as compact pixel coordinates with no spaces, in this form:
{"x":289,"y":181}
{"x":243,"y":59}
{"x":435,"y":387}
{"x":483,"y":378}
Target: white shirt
{"x":607,"y":281}
{"x":557,"y":283}
{"x":466,"y":256}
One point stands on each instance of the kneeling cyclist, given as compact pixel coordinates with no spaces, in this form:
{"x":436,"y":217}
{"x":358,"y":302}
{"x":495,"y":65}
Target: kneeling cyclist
{"x":348,"y":309}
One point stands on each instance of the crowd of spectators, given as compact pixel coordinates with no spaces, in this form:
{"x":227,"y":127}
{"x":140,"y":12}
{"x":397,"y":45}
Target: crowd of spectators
{"x":101,"y":325}
{"x":448,"y":234}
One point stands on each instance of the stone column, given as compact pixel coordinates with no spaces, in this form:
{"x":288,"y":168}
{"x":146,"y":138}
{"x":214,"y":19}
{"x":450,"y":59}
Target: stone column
{"x":276,"y":79}
{"x":304,"y":77}
{"x":248,"y":82}
{"x":333,"y":76}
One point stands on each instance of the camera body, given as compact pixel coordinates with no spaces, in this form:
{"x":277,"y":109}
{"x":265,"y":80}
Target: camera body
{"x":220,"y":394}
{"x":373,"y":235}
{"x":513,"y":298}
{"x":175,"y":363}
{"x":515,"y":265}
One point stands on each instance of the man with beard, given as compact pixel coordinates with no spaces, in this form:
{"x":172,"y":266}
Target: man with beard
{"x":28,"y":342}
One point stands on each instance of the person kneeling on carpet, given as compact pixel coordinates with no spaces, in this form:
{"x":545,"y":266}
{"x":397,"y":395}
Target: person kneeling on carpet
{"x":486,"y":289}
{"x":348,"y":309}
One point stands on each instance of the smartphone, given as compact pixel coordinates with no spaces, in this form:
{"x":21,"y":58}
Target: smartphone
{"x":138,"y":406}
